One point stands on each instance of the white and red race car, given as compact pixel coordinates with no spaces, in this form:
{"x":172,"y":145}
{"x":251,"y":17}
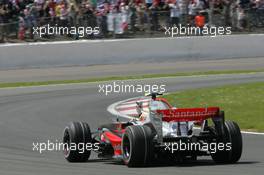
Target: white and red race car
{"x":158,"y":131}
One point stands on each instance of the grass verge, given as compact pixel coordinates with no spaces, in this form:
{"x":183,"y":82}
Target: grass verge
{"x":132,"y":77}
{"x":243,"y":103}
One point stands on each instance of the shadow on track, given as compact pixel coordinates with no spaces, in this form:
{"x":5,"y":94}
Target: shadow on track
{"x":184,"y":164}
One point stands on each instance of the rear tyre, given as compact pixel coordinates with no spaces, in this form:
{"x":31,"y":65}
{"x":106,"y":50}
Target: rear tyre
{"x":232,"y":135}
{"x":77,"y":133}
{"x":137,"y":149}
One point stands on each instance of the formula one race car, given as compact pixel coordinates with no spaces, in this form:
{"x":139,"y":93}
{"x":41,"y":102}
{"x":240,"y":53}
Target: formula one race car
{"x":162,"y":132}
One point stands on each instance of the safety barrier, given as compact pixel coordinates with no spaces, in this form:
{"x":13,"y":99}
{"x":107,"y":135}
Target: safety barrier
{"x":122,"y":24}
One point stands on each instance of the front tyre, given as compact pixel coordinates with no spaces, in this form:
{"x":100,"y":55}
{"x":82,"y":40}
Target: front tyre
{"x":232,"y":135}
{"x":75,"y":138}
{"x":137,"y":149}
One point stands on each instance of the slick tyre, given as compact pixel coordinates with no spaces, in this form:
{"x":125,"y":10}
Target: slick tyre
{"x":137,"y":149}
{"x":232,"y":135}
{"x":76,"y":133}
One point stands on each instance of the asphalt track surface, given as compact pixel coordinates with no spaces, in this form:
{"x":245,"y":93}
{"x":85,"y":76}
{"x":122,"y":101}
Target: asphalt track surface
{"x":97,"y":71}
{"x":38,"y":114}
{"x":82,"y":53}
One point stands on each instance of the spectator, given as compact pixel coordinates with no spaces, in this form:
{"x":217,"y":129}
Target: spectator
{"x":241,"y":17}
{"x":29,"y":19}
{"x":133,"y":14}
{"x":192,"y":9}
{"x":124,"y":12}
{"x":21,"y":28}
{"x":183,"y":4}
{"x":226,"y":12}
{"x":141,"y":15}
{"x":260,"y":12}
{"x":174,"y":12}
{"x":58,"y":13}
{"x":72,"y":15}
{"x":64,"y":14}
{"x":102,"y":12}
{"x":200,"y":21}
{"x":154,"y":15}
{"x":4,"y":13}
{"x":3,"y":19}
{"x":40,"y":7}
{"x":50,"y":10}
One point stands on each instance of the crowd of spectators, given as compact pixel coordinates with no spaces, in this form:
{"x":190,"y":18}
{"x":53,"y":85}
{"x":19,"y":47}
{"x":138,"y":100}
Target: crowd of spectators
{"x":134,"y":15}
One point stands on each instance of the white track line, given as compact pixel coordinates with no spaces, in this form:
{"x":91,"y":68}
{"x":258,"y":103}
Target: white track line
{"x":112,"y":109}
{"x":255,"y":133}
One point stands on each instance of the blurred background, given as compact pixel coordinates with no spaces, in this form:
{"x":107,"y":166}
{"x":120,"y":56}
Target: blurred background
{"x":124,"y":18}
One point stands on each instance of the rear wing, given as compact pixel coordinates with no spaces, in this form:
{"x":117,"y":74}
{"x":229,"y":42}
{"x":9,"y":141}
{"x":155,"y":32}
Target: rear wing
{"x":188,"y":114}
{"x":183,"y":115}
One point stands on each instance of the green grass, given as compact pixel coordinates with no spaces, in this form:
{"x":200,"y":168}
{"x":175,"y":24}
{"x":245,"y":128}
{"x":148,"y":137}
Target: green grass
{"x":39,"y":83}
{"x":243,"y":103}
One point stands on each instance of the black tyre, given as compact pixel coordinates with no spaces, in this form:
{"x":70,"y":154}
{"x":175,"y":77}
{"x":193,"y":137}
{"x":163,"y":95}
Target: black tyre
{"x":77,"y":133}
{"x":232,"y":135}
{"x":137,"y":149}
